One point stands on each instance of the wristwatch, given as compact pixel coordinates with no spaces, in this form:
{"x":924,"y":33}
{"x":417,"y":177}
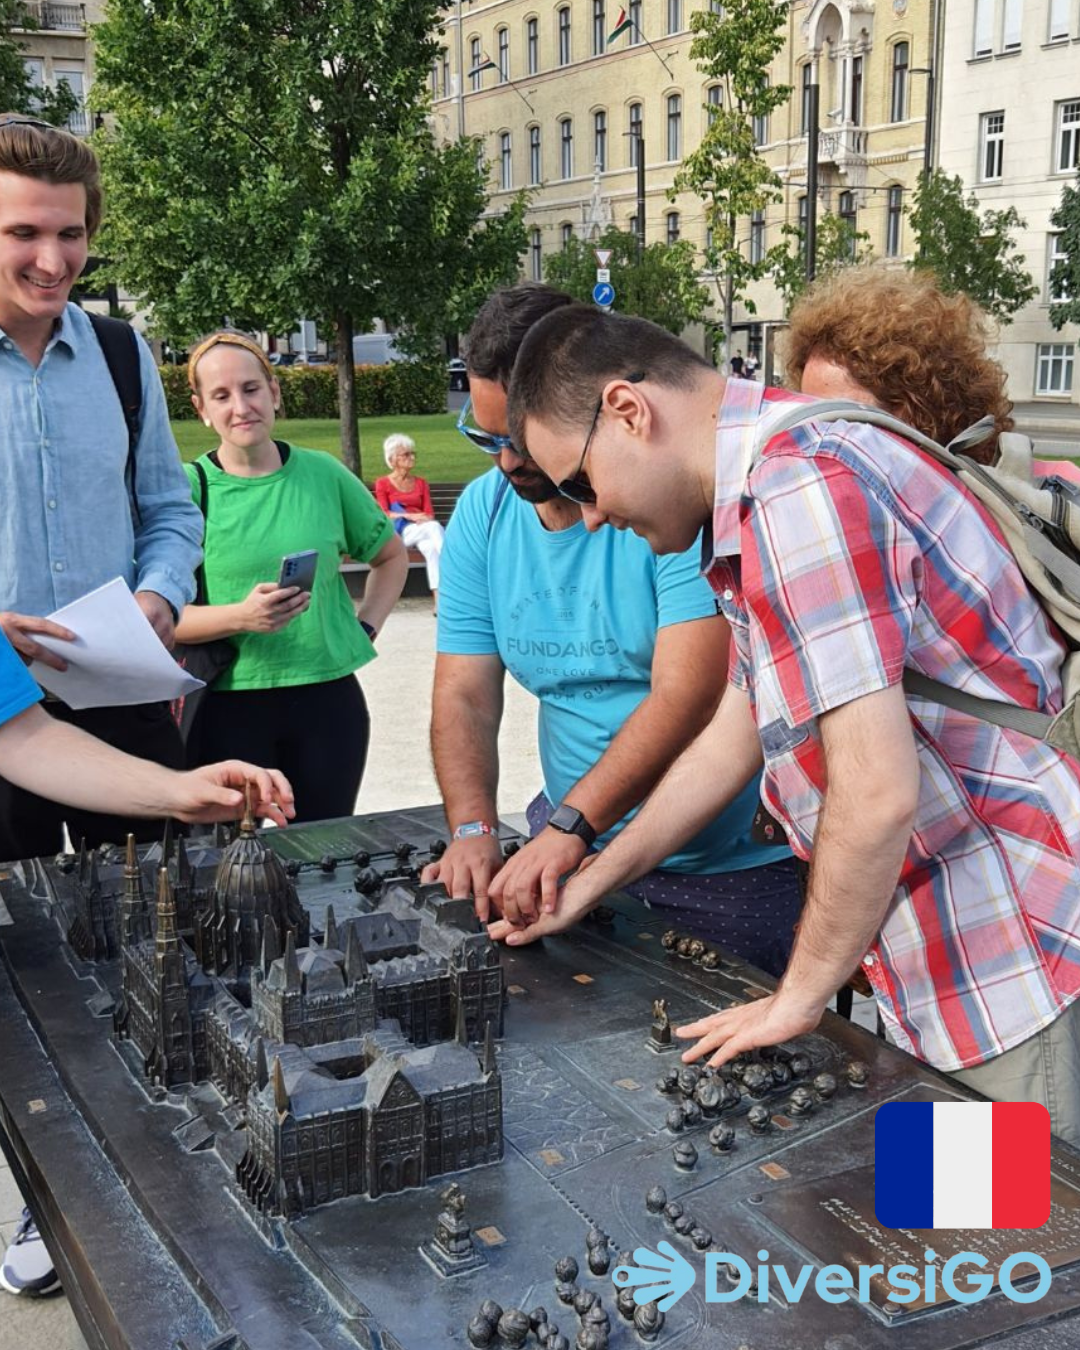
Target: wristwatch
{"x":471,"y":828}
{"x":369,"y":630}
{"x":569,"y":820}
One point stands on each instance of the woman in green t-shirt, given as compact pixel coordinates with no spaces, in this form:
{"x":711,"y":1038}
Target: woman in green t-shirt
{"x":290,"y":697}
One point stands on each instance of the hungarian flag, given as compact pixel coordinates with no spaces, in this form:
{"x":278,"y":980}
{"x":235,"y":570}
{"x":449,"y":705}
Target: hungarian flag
{"x":962,"y":1165}
{"x":486,"y":63}
{"x":622,"y":25}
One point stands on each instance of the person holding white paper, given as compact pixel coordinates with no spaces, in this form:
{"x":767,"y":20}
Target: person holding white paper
{"x":90,"y":492}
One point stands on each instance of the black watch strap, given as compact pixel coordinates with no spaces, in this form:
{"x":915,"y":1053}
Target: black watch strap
{"x":569,"y":820}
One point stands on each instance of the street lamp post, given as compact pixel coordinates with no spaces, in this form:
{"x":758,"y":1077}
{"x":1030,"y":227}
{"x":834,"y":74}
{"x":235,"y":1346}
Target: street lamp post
{"x":928,"y":138}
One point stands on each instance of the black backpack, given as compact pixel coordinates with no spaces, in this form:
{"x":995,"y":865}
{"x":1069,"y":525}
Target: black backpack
{"x":120,"y":347}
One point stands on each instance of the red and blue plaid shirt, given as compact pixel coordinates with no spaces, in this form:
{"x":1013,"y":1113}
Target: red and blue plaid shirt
{"x":843,"y":557}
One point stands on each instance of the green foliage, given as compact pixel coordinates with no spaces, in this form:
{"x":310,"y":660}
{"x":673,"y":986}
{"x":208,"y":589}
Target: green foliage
{"x":735,"y":48}
{"x":1065,"y":278}
{"x":408,"y":387}
{"x":18,"y":93}
{"x":968,"y":252}
{"x":662,"y":286}
{"x":839,"y":245}
{"x":272,"y":160}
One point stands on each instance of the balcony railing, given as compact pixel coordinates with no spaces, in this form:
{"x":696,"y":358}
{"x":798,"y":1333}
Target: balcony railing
{"x":845,"y":147}
{"x":79,"y":122}
{"x":48,"y":16}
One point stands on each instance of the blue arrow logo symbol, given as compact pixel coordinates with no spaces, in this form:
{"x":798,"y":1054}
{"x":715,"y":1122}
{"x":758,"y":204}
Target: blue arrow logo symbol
{"x":668,"y":1276}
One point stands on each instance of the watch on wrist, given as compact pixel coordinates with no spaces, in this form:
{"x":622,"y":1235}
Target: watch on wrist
{"x":569,"y":820}
{"x":471,"y":828}
{"x":368,"y":629}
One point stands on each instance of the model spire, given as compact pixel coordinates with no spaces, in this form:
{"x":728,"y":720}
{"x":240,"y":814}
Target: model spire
{"x":292,"y":966}
{"x":461,"y":1035}
{"x":247,"y":824}
{"x":330,"y":939}
{"x":281,"y":1095}
{"x":487,"y":1064}
{"x":356,"y":967}
{"x":262,"y":1072}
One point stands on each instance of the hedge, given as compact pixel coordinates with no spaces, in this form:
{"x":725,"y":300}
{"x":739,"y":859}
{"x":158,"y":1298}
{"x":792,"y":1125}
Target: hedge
{"x":311,"y":391}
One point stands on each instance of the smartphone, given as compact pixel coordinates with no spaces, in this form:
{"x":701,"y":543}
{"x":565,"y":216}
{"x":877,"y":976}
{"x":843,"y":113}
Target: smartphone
{"x":298,"y":569}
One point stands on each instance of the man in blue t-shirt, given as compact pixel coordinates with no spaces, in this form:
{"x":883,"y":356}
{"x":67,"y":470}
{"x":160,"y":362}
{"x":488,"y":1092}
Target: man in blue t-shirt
{"x":626,"y":653}
{"x":65,"y":764}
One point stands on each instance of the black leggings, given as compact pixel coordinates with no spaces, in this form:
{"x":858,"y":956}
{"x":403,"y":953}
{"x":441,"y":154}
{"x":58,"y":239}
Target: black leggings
{"x":316,"y":734}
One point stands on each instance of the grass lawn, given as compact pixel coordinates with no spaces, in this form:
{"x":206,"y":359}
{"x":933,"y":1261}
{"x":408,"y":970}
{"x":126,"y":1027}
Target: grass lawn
{"x":442,"y":454}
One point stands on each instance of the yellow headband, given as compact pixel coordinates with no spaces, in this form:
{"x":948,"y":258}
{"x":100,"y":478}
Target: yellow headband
{"x":226,"y":340}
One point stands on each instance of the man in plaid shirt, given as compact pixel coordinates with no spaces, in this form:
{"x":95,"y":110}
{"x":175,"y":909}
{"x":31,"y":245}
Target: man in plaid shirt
{"x":945,"y":852}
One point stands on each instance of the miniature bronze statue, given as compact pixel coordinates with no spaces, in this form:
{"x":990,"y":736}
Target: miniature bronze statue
{"x":624,"y":1303}
{"x":824,"y":1086}
{"x":701,"y":1238}
{"x":566,"y":1270}
{"x":857,"y":1074}
{"x":801,"y":1102}
{"x":685,"y":1155}
{"x":655,"y":1200}
{"x":514,"y":1328}
{"x":660,"y":1032}
{"x":480,"y":1331}
{"x":670,"y":940}
{"x":758,"y":1119}
{"x":672,"y":1211}
{"x":648,"y":1320}
{"x":684,"y":1225}
{"x":675,"y":1119}
{"x":722,"y":1138}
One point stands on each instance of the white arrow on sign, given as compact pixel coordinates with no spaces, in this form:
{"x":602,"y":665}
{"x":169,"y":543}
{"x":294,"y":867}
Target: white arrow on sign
{"x":603,"y":256}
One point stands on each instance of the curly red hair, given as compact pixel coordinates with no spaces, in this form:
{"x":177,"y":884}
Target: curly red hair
{"x":917,"y":352}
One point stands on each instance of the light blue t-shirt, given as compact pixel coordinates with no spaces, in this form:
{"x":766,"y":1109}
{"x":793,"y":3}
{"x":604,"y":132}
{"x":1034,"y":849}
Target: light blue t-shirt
{"x":574,"y":618}
{"x":17,"y":690}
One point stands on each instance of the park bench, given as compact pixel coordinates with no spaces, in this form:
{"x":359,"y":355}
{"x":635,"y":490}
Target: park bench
{"x":443,"y":498}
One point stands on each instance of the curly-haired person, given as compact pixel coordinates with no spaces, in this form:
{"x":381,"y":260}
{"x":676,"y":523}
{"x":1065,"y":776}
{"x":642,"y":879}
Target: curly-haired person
{"x":895,"y":339}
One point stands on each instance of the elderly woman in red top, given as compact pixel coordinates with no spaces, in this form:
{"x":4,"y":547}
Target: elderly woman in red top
{"x":406,"y":499}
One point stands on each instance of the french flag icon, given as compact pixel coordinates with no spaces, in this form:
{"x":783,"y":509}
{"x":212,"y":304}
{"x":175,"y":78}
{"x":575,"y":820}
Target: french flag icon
{"x":962,"y":1165}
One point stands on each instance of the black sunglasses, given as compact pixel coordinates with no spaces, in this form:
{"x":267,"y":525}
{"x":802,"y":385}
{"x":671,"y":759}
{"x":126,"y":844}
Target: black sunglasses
{"x":577,"y":487}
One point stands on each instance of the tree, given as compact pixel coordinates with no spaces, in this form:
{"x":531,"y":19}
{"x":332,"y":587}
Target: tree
{"x":18,"y":92}
{"x":968,"y":252}
{"x":272,"y":160}
{"x":662,"y":285}
{"x":839,"y":245}
{"x":1065,"y":278}
{"x":734,"y":47}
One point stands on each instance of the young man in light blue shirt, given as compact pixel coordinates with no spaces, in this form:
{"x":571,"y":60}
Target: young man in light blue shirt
{"x":624,"y":651}
{"x":73,"y":518}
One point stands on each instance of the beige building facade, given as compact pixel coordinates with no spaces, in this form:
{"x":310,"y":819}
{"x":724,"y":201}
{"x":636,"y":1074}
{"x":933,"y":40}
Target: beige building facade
{"x":57,"y":50}
{"x":558,"y":110}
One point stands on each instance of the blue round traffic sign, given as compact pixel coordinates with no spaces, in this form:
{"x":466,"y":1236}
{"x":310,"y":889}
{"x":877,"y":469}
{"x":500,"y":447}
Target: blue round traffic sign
{"x":603,"y":293}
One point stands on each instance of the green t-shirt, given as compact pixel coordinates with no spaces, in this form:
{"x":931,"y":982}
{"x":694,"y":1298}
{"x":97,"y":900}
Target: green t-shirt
{"x":311,"y":502}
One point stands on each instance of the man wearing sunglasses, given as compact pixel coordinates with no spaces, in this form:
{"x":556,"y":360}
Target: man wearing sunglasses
{"x":626,"y":654}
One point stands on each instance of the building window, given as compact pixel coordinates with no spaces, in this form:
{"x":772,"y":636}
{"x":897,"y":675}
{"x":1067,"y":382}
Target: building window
{"x":802,"y":221}
{"x":856,"y":90}
{"x":599,"y":28}
{"x":637,"y":134}
{"x":893,"y":220}
{"x":673,"y":227}
{"x":535,"y":173}
{"x":503,"y":36}
{"x":476,"y":78}
{"x":532,"y":46}
{"x":847,"y":213}
{"x":445,"y":62}
{"x":991,"y":146}
{"x":759,"y":125}
{"x":434,"y":78}
{"x":708,"y":238}
{"x":674,"y":16}
{"x":757,"y":237}
{"x":674,"y":126}
{"x":564,"y":36}
{"x":900,"y":53}
{"x":804,"y":114}
{"x":1054,"y":368}
{"x":714,"y":99}
{"x":1068,"y":136}
{"x":1011,"y":25}
{"x":633,"y":12}
{"x":1056,"y":290}
{"x":983,"y":37}
{"x":566,"y":233}
{"x":1059,"y":20}
{"x":600,"y":140}
{"x":536,"y":256}
{"x":566,"y":147}
{"x":506,"y":167}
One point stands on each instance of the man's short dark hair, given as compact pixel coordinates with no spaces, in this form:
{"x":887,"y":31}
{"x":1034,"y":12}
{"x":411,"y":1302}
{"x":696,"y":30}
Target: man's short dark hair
{"x":566,"y":359}
{"x":498,"y":330}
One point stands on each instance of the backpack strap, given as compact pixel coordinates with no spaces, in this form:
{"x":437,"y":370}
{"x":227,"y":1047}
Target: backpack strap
{"x":120,"y":347}
{"x":1009,"y":715}
{"x":201,"y":596}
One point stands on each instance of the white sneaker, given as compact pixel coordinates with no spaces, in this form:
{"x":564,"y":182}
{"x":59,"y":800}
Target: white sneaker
{"x":27,"y":1266}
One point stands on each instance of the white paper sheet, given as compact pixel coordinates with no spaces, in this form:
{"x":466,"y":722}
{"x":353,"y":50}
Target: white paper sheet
{"x":116,"y":659}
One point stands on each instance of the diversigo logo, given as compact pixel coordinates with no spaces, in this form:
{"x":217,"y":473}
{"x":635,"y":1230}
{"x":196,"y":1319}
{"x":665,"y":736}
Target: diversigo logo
{"x":938,"y":1165}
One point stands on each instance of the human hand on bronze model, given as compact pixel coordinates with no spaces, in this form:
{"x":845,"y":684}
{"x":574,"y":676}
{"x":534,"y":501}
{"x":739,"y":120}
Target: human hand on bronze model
{"x":216,"y":792}
{"x":466,"y":869}
{"x":574,"y":900}
{"x":528,"y":885}
{"x":765,"y":1021}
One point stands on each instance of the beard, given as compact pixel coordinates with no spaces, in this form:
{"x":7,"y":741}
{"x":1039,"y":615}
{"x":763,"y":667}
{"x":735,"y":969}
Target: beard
{"x":531,"y":485}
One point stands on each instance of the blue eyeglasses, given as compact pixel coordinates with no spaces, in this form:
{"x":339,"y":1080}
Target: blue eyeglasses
{"x":488,"y":441}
